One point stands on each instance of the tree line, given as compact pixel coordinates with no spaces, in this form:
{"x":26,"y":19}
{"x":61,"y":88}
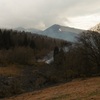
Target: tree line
{"x":15,"y":42}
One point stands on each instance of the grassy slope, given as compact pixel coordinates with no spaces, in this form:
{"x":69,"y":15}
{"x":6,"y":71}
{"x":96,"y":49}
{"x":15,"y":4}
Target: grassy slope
{"x":88,"y":89}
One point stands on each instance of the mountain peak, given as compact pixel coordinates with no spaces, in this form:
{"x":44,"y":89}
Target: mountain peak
{"x":62,"y":32}
{"x":56,"y":25}
{"x":54,"y":28}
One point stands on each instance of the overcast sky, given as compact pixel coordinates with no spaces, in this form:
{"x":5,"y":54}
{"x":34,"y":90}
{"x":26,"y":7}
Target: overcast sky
{"x":44,"y":13}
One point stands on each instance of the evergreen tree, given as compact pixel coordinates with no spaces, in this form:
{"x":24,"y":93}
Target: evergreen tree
{"x":32,"y":44}
{"x":56,"y":52}
{"x":25,"y":42}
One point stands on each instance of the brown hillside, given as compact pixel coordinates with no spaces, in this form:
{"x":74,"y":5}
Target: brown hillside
{"x":88,"y":89}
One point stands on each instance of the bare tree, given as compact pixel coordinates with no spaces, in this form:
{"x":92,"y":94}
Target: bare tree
{"x":89,"y":42}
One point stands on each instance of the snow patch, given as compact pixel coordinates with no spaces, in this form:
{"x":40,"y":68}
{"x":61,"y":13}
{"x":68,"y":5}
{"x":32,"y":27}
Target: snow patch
{"x":60,"y":30}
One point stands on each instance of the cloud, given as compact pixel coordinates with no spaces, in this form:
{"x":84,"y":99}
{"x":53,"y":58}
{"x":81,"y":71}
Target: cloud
{"x":84,"y":22}
{"x":43,"y":13}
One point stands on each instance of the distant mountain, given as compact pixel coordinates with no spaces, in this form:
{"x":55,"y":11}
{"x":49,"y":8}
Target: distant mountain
{"x":62,"y":32}
{"x":19,"y":29}
{"x":56,"y":31}
{"x":32,"y":30}
{"x":96,"y":28}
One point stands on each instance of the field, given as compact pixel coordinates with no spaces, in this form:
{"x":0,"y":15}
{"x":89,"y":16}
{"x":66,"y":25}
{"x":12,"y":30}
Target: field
{"x":79,"y":89}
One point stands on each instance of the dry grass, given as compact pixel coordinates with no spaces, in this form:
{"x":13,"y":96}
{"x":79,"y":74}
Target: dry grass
{"x":11,"y":70}
{"x":88,"y":89}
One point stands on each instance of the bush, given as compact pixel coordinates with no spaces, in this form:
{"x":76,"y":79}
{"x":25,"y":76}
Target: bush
{"x":9,"y":87}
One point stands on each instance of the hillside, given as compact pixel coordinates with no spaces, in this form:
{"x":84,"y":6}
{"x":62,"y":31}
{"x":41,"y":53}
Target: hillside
{"x":96,"y":28}
{"x":88,"y":89}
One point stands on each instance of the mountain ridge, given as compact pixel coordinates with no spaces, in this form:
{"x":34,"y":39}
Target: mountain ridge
{"x":32,"y":30}
{"x":56,"y":31}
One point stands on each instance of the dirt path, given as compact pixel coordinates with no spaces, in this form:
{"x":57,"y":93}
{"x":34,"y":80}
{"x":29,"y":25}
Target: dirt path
{"x":88,"y":89}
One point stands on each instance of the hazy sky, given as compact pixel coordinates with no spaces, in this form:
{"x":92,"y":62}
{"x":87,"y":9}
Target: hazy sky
{"x":44,"y":13}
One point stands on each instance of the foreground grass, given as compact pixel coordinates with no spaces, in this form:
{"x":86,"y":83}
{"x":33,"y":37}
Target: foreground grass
{"x":88,"y":89}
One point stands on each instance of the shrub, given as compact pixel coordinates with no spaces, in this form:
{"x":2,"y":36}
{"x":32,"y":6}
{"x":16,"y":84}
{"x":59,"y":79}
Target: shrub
{"x":9,"y":87}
